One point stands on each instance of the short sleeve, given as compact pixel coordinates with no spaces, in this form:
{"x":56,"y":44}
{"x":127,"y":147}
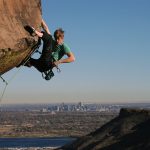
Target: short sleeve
{"x":67,"y":49}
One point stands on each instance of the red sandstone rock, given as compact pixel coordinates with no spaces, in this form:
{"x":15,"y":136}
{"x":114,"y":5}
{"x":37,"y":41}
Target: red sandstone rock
{"x":15,"y":41}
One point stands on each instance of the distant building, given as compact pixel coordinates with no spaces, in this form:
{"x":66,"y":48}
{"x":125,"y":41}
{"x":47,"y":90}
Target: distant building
{"x":44,"y":110}
{"x":53,"y":112}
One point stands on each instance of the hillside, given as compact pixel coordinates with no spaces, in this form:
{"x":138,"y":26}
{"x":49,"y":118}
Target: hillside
{"x":129,"y":131}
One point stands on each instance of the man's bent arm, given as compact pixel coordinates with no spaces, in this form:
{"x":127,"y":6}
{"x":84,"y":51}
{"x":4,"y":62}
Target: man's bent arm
{"x":70,"y":58}
{"x":45,"y":27}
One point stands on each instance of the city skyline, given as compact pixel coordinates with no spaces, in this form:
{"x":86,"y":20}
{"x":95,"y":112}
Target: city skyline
{"x":111,"y":45}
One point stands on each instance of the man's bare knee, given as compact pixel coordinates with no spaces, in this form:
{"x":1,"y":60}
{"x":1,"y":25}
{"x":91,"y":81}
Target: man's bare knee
{"x":39,"y":34}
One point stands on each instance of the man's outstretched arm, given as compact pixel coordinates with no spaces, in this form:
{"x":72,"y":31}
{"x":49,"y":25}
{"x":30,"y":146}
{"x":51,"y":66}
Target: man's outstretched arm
{"x":70,"y":59}
{"x":45,"y":27}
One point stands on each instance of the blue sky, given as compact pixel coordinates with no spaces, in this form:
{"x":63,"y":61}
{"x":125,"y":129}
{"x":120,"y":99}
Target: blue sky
{"x":110,"y":40}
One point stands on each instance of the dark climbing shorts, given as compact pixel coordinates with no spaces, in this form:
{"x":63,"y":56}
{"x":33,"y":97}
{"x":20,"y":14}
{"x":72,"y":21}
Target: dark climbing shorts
{"x":44,"y":63}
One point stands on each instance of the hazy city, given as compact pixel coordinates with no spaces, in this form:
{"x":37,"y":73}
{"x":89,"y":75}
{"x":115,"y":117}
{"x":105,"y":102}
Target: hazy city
{"x":73,"y":107}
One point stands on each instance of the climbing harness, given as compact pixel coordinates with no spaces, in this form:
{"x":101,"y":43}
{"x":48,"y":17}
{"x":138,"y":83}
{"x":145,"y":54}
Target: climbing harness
{"x":47,"y":75}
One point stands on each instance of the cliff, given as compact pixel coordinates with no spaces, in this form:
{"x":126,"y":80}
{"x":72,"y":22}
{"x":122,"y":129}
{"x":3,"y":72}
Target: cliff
{"x":15,"y":41}
{"x":129,"y":131}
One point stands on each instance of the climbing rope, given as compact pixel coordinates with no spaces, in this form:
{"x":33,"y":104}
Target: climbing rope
{"x":3,"y":92}
{"x":35,"y":47}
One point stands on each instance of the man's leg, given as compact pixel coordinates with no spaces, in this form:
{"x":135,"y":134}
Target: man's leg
{"x":47,"y":43}
{"x":47,"y":38}
{"x":40,"y":65}
{"x":47,"y":48}
{"x":36,"y":63}
{"x":44,"y":35}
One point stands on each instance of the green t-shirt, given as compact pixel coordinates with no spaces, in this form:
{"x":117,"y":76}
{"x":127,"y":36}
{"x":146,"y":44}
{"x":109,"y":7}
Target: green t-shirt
{"x":59,"y":51}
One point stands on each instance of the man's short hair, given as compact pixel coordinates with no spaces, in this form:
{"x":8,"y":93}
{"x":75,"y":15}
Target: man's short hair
{"x":59,"y":33}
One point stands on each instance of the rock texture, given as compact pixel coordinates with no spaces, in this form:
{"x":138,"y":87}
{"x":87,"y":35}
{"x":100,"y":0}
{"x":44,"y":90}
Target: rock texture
{"x":129,"y":131}
{"x":15,"y":41}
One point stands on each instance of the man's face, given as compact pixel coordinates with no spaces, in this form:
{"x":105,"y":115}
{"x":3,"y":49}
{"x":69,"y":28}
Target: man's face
{"x":60,"y":40}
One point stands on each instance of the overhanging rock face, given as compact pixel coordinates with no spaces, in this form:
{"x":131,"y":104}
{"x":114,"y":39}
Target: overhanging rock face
{"x":15,"y":41}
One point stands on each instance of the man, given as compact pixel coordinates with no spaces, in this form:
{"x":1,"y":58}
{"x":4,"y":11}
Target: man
{"x":53,"y":49}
